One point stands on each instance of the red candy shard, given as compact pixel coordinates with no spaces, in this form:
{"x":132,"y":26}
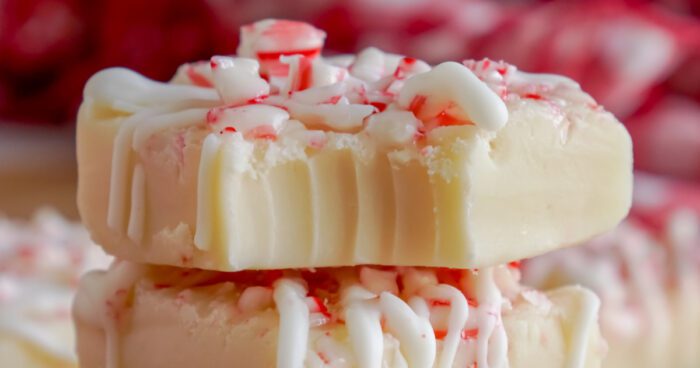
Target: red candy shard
{"x":470,"y":334}
{"x":262,"y":132}
{"x":380,"y":106}
{"x":196,"y":78}
{"x":228,"y":129}
{"x":323,"y":357}
{"x":213,"y":115}
{"x":257,"y":100}
{"x":305,"y":74}
{"x":318,"y":306}
{"x":405,"y":65}
{"x":333,"y":100}
{"x":445,"y":119}
{"x":465,"y":334}
{"x":440,"y":303}
{"x":417,"y":104}
{"x":533,"y":96}
{"x":440,"y":334}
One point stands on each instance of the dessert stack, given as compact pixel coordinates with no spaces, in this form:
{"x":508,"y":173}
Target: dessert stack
{"x":283,"y":209}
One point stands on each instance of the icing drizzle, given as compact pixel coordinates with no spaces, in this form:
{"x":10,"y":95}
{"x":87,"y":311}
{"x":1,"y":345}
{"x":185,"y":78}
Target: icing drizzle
{"x":289,"y":296}
{"x":104,"y":300}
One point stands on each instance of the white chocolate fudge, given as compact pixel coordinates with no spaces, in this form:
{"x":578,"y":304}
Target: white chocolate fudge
{"x":649,"y":285}
{"x":281,"y":158}
{"x":146,"y":316}
{"x":40,"y":263}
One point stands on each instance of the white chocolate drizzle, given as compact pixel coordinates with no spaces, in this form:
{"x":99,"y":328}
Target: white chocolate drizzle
{"x":131,"y":138}
{"x":374,"y":299}
{"x":206,"y":193}
{"x":459,"y":313}
{"x":363,"y":321}
{"x":585,"y":322}
{"x":490,"y":325}
{"x":414,"y":332}
{"x":289,"y":298}
{"x":124,"y":90}
{"x":103,"y":301}
{"x":138,"y":205}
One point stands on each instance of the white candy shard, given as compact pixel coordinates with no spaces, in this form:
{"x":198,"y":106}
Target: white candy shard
{"x":255,"y":298}
{"x":127,"y":91}
{"x":392,"y":128}
{"x":238,"y":80}
{"x":378,"y":281}
{"x":342,"y":117}
{"x":324,"y":74}
{"x":372,"y":64}
{"x":321,"y":94}
{"x":248,"y":118}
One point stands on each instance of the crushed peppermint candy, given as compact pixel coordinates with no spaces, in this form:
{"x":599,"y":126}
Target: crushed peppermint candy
{"x":281,"y":76}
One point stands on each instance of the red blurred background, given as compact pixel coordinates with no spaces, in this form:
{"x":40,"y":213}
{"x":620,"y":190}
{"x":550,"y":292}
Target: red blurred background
{"x":640,"y":59}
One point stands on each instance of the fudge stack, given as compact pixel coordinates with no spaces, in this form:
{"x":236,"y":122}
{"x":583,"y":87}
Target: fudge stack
{"x":280,"y":208}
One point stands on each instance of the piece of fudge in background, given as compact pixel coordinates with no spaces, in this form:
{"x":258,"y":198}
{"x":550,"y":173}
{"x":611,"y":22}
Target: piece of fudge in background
{"x":647,"y":273}
{"x":40,"y":264}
